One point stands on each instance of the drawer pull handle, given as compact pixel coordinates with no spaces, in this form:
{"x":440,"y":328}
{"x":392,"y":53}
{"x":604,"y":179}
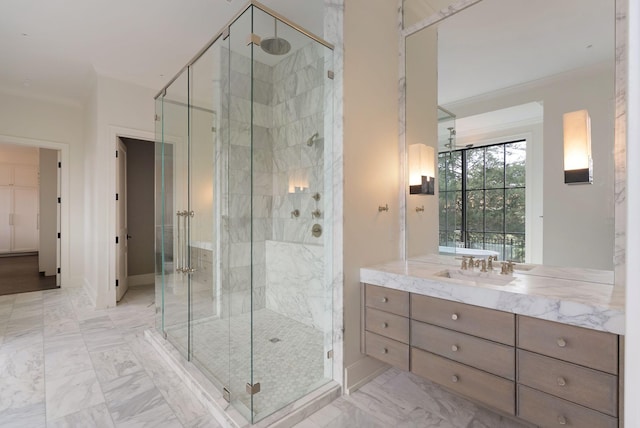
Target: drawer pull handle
{"x":385,"y":351}
{"x":561,"y":342}
{"x":454,"y":348}
{"x":454,"y":317}
{"x":561,"y":381}
{"x":385,"y":325}
{"x":562,"y":420}
{"x":454,"y":379}
{"x":385,"y":300}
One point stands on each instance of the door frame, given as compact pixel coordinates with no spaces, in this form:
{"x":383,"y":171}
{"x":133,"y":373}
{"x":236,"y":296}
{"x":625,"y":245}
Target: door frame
{"x":115,"y":133}
{"x":62,"y":250}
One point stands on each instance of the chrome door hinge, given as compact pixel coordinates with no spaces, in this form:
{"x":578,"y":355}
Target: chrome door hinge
{"x":226,"y":394}
{"x":253,"y":389}
{"x":330,"y":74}
{"x":329,"y":354}
{"x":156,"y":118}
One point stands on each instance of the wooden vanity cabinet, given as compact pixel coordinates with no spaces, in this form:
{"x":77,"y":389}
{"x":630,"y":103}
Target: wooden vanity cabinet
{"x":547,"y":373}
{"x":386,"y":325}
{"x":573,"y":370}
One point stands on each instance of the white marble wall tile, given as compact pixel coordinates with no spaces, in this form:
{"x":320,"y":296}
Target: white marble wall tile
{"x":72,"y":393}
{"x":95,"y":416}
{"x":295,"y":282}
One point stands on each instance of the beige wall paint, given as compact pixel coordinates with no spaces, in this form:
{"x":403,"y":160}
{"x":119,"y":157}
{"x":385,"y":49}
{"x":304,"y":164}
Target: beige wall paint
{"x":371,"y":158}
{"x":422,"y":128}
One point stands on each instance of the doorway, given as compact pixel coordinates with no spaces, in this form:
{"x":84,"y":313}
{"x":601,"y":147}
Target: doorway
{"x":134,"y":214}
{"x":29,"y":218}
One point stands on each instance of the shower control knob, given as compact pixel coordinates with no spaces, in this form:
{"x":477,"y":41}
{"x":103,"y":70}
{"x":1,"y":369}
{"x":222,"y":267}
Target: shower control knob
{"x":316,"y":230}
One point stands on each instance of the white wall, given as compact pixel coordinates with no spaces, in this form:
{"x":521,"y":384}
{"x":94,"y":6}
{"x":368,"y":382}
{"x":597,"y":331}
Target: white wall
{"x":371,"y":159}
{"x":48,"y":211}
{"x":54,"y":124}
{"x":113,"y":109}
{"x":632,"y":336}
{"x":570,"y":210}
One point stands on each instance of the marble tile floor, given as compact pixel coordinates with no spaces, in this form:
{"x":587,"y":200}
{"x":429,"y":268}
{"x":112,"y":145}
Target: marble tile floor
{"x":64,"y":364}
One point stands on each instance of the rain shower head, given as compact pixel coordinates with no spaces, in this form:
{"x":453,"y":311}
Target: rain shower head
{"x":275,"y":45}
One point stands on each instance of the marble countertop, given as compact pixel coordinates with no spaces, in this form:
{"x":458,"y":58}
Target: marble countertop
{"x":583,"y":297}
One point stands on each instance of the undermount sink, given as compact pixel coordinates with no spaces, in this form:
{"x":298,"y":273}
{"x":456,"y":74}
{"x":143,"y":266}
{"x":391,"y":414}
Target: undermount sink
{"x":493,"y":278}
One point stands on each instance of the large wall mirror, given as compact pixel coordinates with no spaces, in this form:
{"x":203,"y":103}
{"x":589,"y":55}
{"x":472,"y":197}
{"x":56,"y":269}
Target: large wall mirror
{"x":504,"y":73}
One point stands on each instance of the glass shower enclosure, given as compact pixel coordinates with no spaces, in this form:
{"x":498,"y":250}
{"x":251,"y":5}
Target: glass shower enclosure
{"x":243,"y":212}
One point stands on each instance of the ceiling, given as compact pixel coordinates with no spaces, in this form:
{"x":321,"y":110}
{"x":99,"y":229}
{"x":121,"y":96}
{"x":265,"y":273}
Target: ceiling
{"x":51,"y":48}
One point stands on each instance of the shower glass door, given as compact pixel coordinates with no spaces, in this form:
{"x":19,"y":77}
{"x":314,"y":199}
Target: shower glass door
{"x":243,"y":213}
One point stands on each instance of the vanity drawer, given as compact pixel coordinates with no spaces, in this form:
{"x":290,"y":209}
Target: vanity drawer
{"x":482,"y":322}
{"x":483,"y":387}
{"x":388,"y":325}
{"x":591,"y":348}
{"x":387,"y":299}
{"x":591,"y":388}
{"x":387,"y":350}
{"x":547,"y":411}
{"x":483,"y":354}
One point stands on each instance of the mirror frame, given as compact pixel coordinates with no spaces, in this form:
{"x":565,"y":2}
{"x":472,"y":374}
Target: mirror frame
{"x":620,"y":125}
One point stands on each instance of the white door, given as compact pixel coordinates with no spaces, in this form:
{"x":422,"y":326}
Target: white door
{"x":25,"y":219}
{"x":59,"y":217}
{"x":121,"y":221}
{"x":6,"y":196}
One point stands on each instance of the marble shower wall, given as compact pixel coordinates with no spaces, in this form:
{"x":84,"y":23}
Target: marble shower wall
{"x":298,"y":115}
{"x":236,"y":237}
{"x":288,"y":109}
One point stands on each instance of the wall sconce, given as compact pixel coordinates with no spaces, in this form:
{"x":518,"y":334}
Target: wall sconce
{"x":578,"y":167}
{"x":421,"y":170}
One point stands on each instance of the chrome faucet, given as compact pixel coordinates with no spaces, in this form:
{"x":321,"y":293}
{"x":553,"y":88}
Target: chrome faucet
{"x":464,"y":263}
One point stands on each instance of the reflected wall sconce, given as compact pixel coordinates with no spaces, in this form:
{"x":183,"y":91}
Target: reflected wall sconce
{"x":421,"y":170}
{"x":578,"y":166}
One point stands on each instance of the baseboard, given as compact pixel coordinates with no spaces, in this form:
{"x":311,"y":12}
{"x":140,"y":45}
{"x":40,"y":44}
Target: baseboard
{"x":144,"y":279}
{"x":361,"y":372}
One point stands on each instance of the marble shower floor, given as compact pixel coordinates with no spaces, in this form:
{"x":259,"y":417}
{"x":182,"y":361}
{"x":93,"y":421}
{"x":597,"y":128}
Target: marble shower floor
{"x":281,"y":346}
{"x":63,"y":364}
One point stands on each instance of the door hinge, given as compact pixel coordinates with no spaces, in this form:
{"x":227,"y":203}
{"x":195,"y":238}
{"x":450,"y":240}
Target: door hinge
{"x":117,"y":240}
{"x":59,"y":164}
{"x":156,"y":118}
{"x":116,"y":282}
{"x":116,"y":196}
{"x":330,"y":74}
{"x":226,"y":394}
{"x":329,"y":354}
{"x":58,"y":270}
{"x":116,"y":153}
{"x":253,"y":389}
{"x":59,"y":200}
{"x":58,"y":235}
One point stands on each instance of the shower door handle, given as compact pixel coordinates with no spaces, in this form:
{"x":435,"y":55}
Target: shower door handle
{"x":178,"y":255}
{"x":187,"y":230}
{"x":181,"y":256}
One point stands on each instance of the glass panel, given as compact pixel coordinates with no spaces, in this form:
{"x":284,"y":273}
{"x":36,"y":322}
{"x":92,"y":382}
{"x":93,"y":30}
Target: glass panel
{"x":494,"y":167}
{"x":475,"y":169}
{"x":515,"y":159}
{"x":175,"y":150}
{"x":236,"y":57}
{"x":210,"y":330}
{"x":475,"y":210}
{"x":159,"y":258}
{"x":494,"y":211}
{"x":495,"y":242}
{"x":291,"y":301}
{"x":515,"y":210}
{"x":514,"y":247}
